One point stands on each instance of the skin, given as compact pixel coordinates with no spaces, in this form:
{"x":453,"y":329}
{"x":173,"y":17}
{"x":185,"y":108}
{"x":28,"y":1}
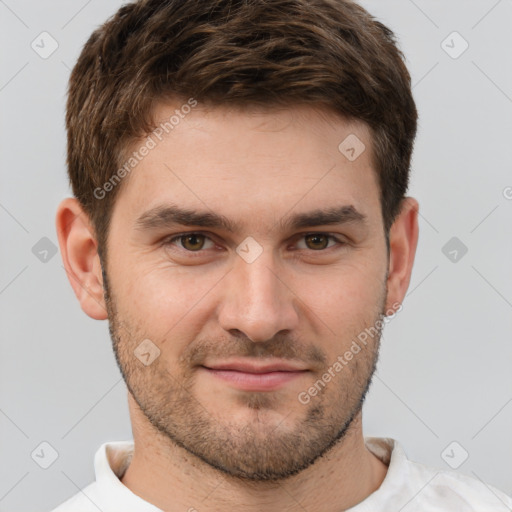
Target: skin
{"x":202,"y":442}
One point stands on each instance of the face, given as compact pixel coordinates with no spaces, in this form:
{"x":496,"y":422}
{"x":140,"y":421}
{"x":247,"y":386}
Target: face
{"x":246,"y":253}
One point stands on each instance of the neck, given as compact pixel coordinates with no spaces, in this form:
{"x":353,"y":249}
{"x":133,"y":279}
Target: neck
{"x":170,"y":478}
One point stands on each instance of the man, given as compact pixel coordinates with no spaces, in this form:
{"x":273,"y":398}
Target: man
{"x":239,"y":171}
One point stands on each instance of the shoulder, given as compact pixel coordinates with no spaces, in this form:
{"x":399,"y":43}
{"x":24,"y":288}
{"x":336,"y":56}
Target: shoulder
{"x":83,"y":501}
{"x":455,"y":491}
{"x":411,"y":486}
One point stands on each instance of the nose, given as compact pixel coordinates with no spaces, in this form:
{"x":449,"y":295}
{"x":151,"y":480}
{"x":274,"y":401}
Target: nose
{"x":257,"y":301}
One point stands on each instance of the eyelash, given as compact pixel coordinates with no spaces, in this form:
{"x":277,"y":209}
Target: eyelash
{"x":170,"y":240}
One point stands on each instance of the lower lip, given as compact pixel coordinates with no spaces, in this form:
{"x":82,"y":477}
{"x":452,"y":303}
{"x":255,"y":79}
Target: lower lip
{"x":256,"y":381}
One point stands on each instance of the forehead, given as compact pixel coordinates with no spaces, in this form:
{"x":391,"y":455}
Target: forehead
{"x":251,"y":163}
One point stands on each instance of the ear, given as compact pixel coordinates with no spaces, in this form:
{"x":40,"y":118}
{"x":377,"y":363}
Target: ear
{"x":403,"y":239}
{"x":78,"y":248}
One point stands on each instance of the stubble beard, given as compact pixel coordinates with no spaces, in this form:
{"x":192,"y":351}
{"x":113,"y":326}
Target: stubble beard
{"x":259,"y":450}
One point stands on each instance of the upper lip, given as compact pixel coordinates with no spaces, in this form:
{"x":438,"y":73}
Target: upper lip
{"x":262,"y":367}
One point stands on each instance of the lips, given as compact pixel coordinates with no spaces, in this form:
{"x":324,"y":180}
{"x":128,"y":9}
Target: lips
{"x":250,"y":376}
{"x":248,"y":367}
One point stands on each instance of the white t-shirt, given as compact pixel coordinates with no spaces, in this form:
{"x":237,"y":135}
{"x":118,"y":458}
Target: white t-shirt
{"x":408,"y":486}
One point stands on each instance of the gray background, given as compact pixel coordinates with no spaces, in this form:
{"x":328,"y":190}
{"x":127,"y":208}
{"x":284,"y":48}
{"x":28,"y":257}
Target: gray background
{"x":444,"y":372}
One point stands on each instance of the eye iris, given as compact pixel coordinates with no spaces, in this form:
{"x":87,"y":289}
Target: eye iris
{"x":194,"y":246}
{"x":315,"y":239}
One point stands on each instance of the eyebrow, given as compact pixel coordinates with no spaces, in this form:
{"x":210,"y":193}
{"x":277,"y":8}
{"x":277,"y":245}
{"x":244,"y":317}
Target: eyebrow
{"x":170,"y":215}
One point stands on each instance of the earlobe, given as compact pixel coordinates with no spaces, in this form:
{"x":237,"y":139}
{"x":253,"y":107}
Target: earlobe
{"x":403,"y":240}
{"x":80,"y":257}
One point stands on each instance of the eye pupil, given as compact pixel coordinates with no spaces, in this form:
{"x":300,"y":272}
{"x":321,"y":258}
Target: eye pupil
{"x":194,"y":238}
{"x":315,"y":238}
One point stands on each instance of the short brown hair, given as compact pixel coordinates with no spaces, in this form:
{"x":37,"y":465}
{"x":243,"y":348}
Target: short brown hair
{"x":267,"y":53}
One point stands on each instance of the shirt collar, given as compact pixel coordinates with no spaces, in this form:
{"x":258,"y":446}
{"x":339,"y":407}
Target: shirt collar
{"x":113,"y":458}
{"x":392,"y":454}
{"x":110,"y":463}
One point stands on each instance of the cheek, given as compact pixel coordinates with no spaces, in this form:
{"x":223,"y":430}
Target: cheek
{"x":343,"y":298}
{"x":167,"y":306}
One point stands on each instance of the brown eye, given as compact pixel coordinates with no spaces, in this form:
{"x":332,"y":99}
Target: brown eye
{"x":192,"y":242}
{"x":190,"y":245}
{"x":317,"y":241}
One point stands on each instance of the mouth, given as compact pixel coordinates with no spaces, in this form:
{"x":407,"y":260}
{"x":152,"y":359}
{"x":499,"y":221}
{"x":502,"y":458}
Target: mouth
{"x":249,"y":376}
